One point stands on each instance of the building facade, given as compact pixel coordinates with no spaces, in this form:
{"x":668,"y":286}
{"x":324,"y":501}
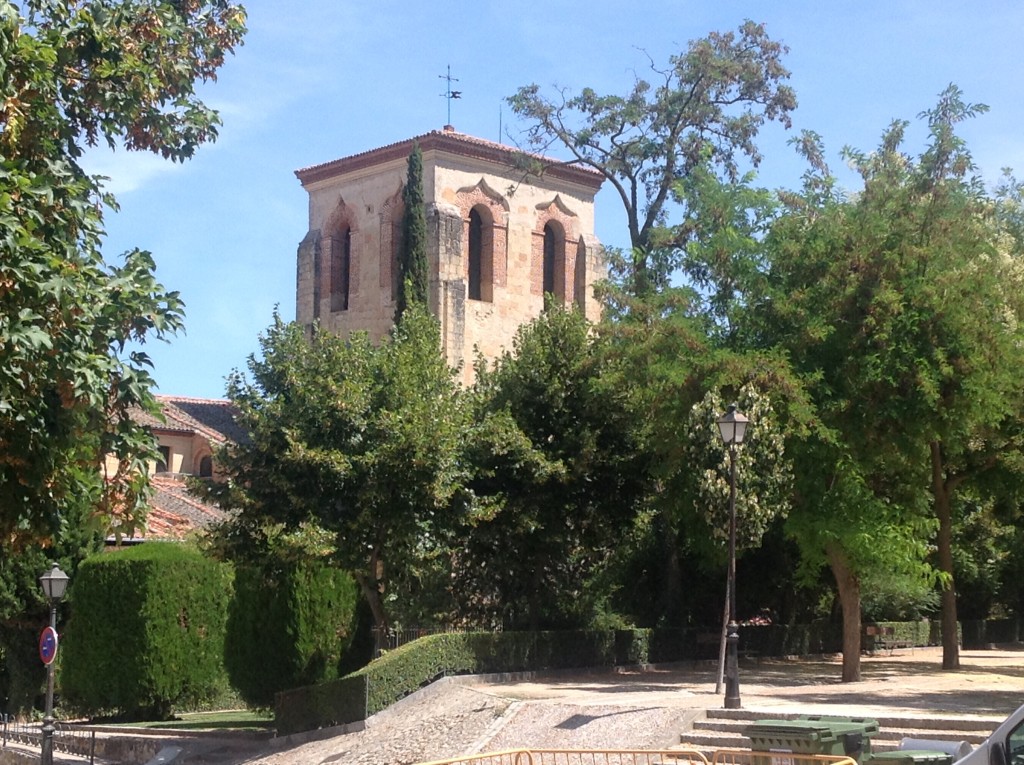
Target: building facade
{"x":499,"y":242}
{"x":188,"y":433}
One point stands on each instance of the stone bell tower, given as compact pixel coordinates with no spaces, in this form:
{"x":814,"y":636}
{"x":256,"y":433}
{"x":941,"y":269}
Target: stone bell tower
{"x":496,"y":244}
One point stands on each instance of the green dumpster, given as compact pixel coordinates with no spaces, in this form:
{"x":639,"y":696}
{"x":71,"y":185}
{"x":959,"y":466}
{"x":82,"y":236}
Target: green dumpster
{"x":911,"y":757}
{"x":843,"y":736}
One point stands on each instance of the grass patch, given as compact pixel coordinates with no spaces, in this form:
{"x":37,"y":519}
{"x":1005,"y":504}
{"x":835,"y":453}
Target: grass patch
{"x":238,"y":719}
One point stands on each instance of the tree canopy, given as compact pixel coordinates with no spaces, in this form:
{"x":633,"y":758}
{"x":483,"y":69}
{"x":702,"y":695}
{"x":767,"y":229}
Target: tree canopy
{"x":558,"y":477}
{"x":358,"y":440}
{"x":901,"y":307}
{"x":707,"y":104}
{"x":71,"y":323}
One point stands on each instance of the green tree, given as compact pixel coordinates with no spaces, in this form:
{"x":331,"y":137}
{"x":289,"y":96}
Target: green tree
{"x":71,"y":368}
{"x":763,"y":474}
{"x":412,"y":255}
{"x":558,"y":478}
{"x":901,"y":307}
{"x":23,"y":609}
{"x":359,"y":440}
{"x":707,"y":105}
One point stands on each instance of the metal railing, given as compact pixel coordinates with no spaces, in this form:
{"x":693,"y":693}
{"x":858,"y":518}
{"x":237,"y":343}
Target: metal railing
{"x":641,"y":757}
{"x":65,"y":739}
{"x":391,"y":638}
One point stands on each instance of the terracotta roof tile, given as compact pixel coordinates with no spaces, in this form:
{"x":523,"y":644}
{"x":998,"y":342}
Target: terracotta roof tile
{"x":174,"y":513}
{"x":450,"y":141}
{"x":212,"y":418}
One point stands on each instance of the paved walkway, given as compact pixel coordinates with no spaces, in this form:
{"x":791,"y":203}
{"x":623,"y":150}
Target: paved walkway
{"x":989,"y":683}
{"x":634,"y":709}
{"x":647,"y":709}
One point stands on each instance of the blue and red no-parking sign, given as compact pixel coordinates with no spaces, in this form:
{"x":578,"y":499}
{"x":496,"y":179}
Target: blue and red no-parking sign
{"x":48,"y":645}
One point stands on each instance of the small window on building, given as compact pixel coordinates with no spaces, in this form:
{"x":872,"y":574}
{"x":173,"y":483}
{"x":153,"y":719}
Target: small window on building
{"x":480,"y":266}
{"x":475,"y":253}
{"x":554,"y":262}
{"x":579,"y":290}
{"x":341,"y":264}
{"x":206,"y":467}
{"x":163,"y":464}
{"x":396,"y":271}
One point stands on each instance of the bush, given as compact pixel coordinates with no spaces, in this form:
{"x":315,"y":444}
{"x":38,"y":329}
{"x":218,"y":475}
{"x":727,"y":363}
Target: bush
{"x":289,"y":624}
{"x":22,"y":675}
{"x":146,"y":631}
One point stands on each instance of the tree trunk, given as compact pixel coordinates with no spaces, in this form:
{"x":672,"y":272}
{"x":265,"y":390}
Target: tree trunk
{"x":533,"y":603}
{"x":371,"y":592}
{"x":942,"y":492}
{"x":669,"y":604}
{"x":849,"y":599}
{"x":372,"y":587}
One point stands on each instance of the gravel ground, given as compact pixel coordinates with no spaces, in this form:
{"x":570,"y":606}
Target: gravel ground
{"x":460,"y":720}
{"x":568,"y":726}
{"x":646,"y":710}
{"x":428,"y":727}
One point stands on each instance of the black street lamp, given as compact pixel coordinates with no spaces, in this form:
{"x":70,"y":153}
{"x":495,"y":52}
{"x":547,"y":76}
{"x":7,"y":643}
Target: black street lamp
{"x":733,"y":426}
{"x":54,"y":583}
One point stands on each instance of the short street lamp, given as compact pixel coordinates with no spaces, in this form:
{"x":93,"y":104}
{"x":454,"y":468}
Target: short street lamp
{"x":733,"y":426}
{"x":54,"y":583}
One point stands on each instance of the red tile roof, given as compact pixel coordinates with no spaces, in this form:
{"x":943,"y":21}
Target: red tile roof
{"x":174,"y":513}
{"x":212,"y":418}
{"x":451,"y":142}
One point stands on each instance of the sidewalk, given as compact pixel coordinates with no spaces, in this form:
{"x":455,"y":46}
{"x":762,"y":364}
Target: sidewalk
{"x":990,"y":683}
{"x":647,"y":709}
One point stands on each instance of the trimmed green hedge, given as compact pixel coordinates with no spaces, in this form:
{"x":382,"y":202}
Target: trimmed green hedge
{"x":146,"y":633}
{"x":318,"y":706}
{"x":289,"y":624}
{"x":983,"y":633}
{"x":398,"y":673}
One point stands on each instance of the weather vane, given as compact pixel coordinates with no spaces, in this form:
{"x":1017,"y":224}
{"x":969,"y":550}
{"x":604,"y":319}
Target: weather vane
{"x":449,"y":93}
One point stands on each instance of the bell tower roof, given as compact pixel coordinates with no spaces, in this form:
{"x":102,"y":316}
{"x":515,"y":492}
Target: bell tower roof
{"x":449,"y":141}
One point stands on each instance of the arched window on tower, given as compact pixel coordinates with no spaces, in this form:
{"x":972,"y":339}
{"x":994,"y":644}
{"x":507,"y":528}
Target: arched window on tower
{"x":396,"y":270}
{"x":554,"y":261}
{"x":480,"y":266}
{"x":341,"y":263}
{"x":579,"y":289}
{"x":476,"y":227}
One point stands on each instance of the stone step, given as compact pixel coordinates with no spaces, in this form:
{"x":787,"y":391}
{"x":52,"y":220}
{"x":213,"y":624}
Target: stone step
{"x":936,"y":722}
{"x":889,"y":729}
{"x":724,"y":729}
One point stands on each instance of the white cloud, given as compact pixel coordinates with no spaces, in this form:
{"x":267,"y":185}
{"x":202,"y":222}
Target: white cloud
{"x":126,"y":170}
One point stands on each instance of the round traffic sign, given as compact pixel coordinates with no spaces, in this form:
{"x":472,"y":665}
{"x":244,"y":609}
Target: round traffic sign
{"x":48,"y":645}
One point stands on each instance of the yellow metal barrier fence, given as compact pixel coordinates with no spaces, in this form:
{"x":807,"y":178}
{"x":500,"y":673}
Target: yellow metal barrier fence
{"x":578,"y":757}
{"x":641,"y":757}
{"x":749,"y":757}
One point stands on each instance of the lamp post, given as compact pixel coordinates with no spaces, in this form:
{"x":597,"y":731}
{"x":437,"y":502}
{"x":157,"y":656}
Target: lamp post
{"x":54,"y":583}
{"x":733,"y":426}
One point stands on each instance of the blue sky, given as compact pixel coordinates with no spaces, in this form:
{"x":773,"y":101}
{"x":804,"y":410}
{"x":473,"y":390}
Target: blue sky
{"x":322,"y":79}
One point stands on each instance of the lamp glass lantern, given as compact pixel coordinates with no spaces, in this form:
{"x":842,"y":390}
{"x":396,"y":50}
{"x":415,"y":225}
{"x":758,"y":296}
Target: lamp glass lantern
{"x":733,"y":426}
{"x":54,"y":583}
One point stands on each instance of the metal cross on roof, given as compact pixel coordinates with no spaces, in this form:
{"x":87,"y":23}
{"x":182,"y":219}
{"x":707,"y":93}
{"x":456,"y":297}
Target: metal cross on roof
{"x":449,"y":93}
